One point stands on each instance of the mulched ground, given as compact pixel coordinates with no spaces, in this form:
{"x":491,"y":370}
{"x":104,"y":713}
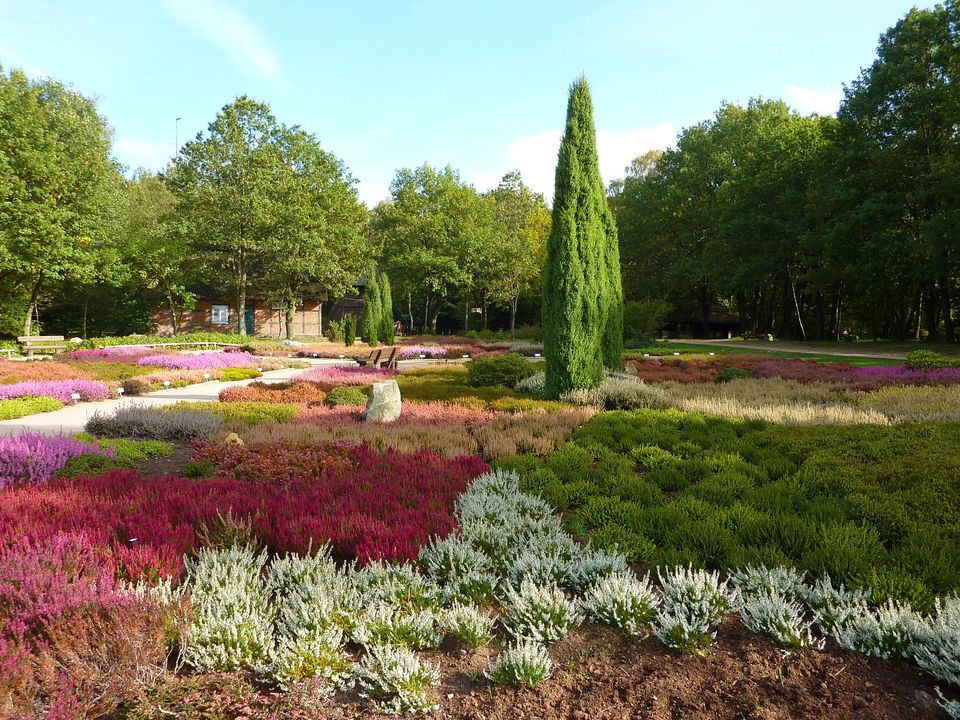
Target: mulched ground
{"x":171,"y":465}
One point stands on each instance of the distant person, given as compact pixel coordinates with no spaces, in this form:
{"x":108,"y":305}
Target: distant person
{"x":398,"y":328}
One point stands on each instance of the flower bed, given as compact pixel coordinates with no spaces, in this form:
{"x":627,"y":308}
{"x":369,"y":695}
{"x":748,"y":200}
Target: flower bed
{"x":40,"y":370}
{"x":427,"y":351}
{"x":115,"y":353}
{"x":300,"y":392}
{"x":347,"y":375}
{"x":368,"y":506}
{"x":61,"y":390}
{"x":200,"y":361}
{"x":33,"y":459}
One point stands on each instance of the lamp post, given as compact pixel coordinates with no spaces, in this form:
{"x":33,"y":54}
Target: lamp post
{"x":176,"y":137}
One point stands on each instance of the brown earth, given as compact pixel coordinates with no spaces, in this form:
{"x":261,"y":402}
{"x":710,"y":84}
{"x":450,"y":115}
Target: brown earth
{"x":601,"y":674}
{"x":171,"y":465}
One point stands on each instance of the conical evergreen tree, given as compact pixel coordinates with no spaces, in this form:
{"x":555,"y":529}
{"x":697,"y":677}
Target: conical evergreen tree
{"x":371,"y":309}
{"x":582,"y":281}
{"x":386,"y":310}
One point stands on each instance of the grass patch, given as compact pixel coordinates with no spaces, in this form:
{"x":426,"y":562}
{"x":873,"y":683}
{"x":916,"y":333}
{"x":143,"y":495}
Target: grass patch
{"x":449,"y":384}
{"x":875,"y":507}
{"x":249,"y":413}
{"x":27,"y":405}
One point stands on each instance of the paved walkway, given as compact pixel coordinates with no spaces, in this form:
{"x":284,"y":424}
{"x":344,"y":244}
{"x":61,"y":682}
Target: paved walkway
{"x":841,"y":350}
{"x":73,"y":418}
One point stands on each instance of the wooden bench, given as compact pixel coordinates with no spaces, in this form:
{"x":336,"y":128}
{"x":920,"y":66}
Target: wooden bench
{"x":373,"y":359}
{"x":391,"y":362}
{"x":30,"y":344}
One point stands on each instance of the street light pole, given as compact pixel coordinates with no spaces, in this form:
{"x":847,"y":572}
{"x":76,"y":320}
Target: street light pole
{"x":176,"y":137}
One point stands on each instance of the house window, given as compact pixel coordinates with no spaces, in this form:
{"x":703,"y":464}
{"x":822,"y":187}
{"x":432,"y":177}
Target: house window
{"x":220,"y":314}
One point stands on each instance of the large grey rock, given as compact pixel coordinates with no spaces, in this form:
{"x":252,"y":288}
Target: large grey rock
{"x":383,"y":404}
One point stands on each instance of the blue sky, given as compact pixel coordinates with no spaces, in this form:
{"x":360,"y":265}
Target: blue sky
{"x":479,"y":85}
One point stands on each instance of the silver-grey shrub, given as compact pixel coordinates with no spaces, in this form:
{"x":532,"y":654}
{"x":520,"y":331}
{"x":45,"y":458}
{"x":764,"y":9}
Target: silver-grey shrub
{"x":892,"y":632}
{"x":834,"y":606}
{"x":619,"y":393}
{"x":525,"y":664}
{"x":938,"y":651}
{"x":397,"y":681}
{"x":469,"y":625}
{"x":622,"y":601}
{"x":786,"y":582}
{"x":148,"y":423}
{"x":768,"y":612}
{"x":232,"y":619}
{"x":542,"y":613}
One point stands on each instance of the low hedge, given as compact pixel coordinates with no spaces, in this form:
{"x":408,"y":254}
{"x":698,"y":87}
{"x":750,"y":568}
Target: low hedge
{"x":505,"y":370}
{"x":250,"y":413}
{"x":872,"y":506}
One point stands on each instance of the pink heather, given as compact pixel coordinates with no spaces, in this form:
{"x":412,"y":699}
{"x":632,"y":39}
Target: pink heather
{"x":202,"y":361}
{"x":61,"y":390}
{"x":33,"y":459}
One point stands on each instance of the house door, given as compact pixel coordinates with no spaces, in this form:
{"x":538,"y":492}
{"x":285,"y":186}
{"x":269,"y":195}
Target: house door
{"x":248,"y":317}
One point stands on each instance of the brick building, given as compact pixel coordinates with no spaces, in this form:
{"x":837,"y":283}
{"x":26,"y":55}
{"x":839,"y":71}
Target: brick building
{"x":213,"y":313}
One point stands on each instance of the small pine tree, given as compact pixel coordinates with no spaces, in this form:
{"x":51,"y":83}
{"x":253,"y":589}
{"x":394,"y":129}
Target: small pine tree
{"x":349,"y":329}
{"x":370,"y":329}
{"x":386,"y":310}
{"x":578,"y":293}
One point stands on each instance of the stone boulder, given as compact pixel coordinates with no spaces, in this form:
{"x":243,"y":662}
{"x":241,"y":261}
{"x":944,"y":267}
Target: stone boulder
{"x":383,"y":405}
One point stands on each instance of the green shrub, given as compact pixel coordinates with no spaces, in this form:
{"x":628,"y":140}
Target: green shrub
{"x":27,"y":405}
{"x":239,"y":373}
{"x":926,"y":360}
{"x":346,"y":395}
{"x":335,"y":331}
{"x":732,"y":373}
{"x":506,"y":370}
{"x":349,"y":330}
{"x":249,"y":413}
{"x":89,"y":465}
{"x":199,"y":469}
{"x":642,"y":319}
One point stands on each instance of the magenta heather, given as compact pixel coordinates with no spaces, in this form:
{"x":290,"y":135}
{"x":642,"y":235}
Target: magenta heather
{"x":61,"y":390}
{"x":32,"y":458}
{"x":203,"y":361}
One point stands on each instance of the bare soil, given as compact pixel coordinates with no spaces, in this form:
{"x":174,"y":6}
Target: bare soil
{"x":600,"y":673}
{"x":168,"y":466}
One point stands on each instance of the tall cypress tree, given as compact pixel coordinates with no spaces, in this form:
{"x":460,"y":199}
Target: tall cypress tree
{"x":371,"y":309}
{"x":578,"y":291}
{"x":386,"y":310}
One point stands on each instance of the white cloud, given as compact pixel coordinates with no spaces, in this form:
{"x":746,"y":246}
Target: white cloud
{"x":371,"y":193}
{"x":535,"y":156}
{"x":807,"y":101}
{"x":236,"y":36}
{"x":137,"y":152}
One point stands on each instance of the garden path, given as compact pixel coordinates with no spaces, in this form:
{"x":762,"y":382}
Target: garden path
{"x":838,"y":349}
{"x":73,"y":418}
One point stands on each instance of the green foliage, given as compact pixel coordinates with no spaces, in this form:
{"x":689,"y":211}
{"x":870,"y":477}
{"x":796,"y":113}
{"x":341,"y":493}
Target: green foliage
{"x":642,"y":319}
{"x":90,"y":465}
{"x":370,"y":322}
{"x":873,"y":506}
{"x":27,"y":405}
{"x":249,"y":413}
{"x":335,"y":331}
{"x":442,"y":383}
{"x":506,"y":370}
{"x":927,"y":360}
{"x":199,"y":470}
{"x":579,"y":297}
{"x":238,"y":373}
{"x":346,"y":395}
{"x":349,"y":330}
{"x":732,"y":373}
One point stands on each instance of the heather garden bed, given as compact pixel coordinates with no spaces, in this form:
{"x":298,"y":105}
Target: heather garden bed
{"x":294,"y":561}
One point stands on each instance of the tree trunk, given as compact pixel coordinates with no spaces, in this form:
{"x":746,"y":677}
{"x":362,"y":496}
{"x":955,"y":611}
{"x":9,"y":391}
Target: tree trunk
{"x":32,"y":307}
{"x":410,"y":309}
{"x":513,"y":316}
{"x":242,"y":304}
{"x":433,"y":323}
{"x":946,"y":309}
{"x":930,"y":307}
{"x":796,"y":304}
{"x":86,"y":307}
{"x":466,"y":316}
{"x":174,"y":316}
{"x":426,"y":313}
{"x":288,"y":320}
